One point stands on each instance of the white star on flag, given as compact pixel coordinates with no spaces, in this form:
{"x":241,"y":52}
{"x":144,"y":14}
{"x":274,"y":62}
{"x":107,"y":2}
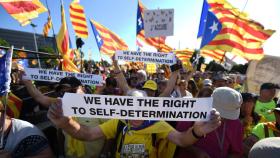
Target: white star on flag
{"x":139,"y":22}
{"x":214,"y":27}
{"x":98,"y":38}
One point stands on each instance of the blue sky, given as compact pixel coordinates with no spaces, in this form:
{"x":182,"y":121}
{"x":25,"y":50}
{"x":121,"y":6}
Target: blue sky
{"x":120,"y":17}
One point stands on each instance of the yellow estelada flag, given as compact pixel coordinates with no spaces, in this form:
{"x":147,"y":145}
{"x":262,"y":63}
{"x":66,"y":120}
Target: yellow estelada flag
{"x":62,"y":40}
{"x":23,"y":10}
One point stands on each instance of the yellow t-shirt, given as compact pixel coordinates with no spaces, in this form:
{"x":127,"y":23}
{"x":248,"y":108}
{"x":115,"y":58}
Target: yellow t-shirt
{"x":264,"y":108}
{"x":139,"y":143}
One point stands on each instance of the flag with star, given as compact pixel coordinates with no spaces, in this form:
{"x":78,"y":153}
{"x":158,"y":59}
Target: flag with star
{"x":225,"y":28}
{"x":5,"y":71}
{"x":141,"y":40}
{"x":107,"y":41}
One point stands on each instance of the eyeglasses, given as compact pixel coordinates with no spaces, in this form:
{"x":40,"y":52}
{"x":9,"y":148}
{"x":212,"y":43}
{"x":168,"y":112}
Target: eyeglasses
{"x":133,"y":78}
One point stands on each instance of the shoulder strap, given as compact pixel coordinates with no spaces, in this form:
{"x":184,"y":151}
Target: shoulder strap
{"x":266,"y":133}
{"x":154,"y":139}
{"x":120,"y":127}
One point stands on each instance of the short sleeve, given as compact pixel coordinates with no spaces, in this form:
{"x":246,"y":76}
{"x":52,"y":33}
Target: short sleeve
{"x":30,"y":146}
{"x":109,"y":128}
{"x":258,"y":130}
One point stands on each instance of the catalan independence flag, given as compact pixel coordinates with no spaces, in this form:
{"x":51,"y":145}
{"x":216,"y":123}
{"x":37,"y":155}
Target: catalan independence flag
{"x":78,"y":19}
{"x":14,"y":105}
{"x":47,"y":26}
{"x":184,"y":55}
{"x":223,"y":27}
{"x":217,"y":55}
{"x":108,"y":42}
{"x":157,"y":42}
{"x":63,"y":43}
{"x":23,"y":10}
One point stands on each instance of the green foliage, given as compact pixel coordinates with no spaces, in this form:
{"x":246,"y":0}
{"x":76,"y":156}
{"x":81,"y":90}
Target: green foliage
{"x":215,"y":67}
{"x":240,"y":68}
{"x":4,"y":43}
{"x":48,"y":63}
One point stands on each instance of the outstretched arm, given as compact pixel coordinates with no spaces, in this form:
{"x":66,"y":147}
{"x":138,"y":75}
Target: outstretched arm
{"x":35,"y":93}
{"x":199,"y":129}
{"x":72,"y":127}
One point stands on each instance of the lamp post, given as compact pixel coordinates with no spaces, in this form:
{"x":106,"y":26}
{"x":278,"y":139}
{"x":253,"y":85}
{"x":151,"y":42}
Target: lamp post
{"x":35,"y":42}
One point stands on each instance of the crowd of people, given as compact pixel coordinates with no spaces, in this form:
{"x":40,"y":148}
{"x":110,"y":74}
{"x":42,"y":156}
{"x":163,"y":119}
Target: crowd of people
{"x":241,"y":124}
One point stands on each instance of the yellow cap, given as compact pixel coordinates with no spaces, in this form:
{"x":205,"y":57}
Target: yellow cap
{"x":150,"y":84}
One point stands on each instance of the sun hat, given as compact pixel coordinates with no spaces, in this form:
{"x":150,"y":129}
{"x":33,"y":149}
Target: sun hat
{"x":227,"y":101}
{"x":150,"y":84}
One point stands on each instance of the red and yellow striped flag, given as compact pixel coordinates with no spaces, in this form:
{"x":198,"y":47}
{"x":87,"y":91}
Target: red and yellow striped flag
{"x":47,"y":26}
{"x":108,"y":42}
{"x":238,"y":34}
{"x":23,"y":10}
{"x":14,"y":105}
{"x":157,"y":42}
{"x":78,"y":19}
{"x":217,"y":55}
{"x":184,"y":55}
{"x":62,"y":40}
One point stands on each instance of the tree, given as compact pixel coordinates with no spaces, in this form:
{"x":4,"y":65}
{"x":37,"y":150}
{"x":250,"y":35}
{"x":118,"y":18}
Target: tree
{"x":215,"y":67}
{"x":240,"y":68}
{"x":47,"y":62}
{"x":4,"y":43}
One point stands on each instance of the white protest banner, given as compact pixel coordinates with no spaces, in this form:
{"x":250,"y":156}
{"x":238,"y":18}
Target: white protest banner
{"x":264,"y":70}
{"x":36,"y":74}
{"x":136,"y":108}
{"x":146,"y":57}
{"x":159,"y":22}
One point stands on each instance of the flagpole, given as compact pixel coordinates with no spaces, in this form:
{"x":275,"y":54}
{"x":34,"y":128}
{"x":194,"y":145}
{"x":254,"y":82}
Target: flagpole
{"x":3,"y":120}
{"x":52,"y":28}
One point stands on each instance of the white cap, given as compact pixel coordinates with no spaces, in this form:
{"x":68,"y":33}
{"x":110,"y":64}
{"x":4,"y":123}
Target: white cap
{"x":227,"y":101}
{"x":207,"y":82}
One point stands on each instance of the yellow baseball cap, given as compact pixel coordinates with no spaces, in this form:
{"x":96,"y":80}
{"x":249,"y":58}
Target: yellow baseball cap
{"x":150,"y":84}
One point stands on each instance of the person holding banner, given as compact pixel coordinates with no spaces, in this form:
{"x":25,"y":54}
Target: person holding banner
{"x":226,"y":140}
{"x":23,"y":139}
{"x":136,"y":138}
{"x":72,"y":147}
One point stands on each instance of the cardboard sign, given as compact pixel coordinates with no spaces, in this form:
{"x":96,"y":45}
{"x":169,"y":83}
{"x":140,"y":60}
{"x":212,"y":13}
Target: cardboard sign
{"x":146,"y":57}
{"x":36,"y":74}
{"x":136,"y":108}
{"x":265,"y":70}
{"x":159,"y":22}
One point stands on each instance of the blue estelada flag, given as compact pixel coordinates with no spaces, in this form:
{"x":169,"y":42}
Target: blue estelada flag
{"x":209,"y":25}
{"x":5,"y":71}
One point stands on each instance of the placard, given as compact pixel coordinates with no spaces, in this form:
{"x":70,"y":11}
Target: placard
{"x":146,"y":57}
{"x":136,"y":108}
{"x":159,"y":22}
{"x":36,"y":74}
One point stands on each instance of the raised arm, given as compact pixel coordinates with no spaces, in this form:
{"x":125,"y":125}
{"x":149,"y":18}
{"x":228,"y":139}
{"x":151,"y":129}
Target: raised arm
{"x":72,"y":127}
{"x":122,"y":83}
{"x":170,"y":84}
{"x":37,"y":95}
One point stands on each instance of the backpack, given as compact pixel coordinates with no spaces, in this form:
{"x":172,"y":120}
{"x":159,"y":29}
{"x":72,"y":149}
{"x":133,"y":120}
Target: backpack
{"x":110,"y":147}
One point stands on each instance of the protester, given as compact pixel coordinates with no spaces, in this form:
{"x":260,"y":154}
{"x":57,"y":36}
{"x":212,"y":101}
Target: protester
{"x":205,"y":92}
{"x":265,"y":101}
{"x":22,"y":139}
{"x":193,"y":88}
{"x":136,"y":132}
{"x":269,"y":147}
{"x":207,"y":83}
{"x":264,"y":130}
{"x":248,"y":117}
{"x":198,"y":81}
{"x":226,"y":140}
{"x":219,"y":80}
{"x":73,"y":147}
